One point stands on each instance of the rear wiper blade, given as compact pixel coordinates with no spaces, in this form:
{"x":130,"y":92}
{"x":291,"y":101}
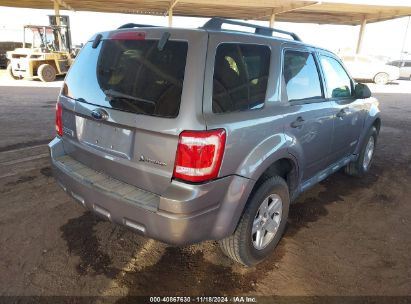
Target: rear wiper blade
{"x":112,"y":94}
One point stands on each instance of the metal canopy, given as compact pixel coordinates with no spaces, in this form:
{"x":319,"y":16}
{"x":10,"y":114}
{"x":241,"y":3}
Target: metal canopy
{"x":348,"y":12}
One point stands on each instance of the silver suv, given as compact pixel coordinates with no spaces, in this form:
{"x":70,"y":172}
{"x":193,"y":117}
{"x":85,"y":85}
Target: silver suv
{"x":185,"y":135}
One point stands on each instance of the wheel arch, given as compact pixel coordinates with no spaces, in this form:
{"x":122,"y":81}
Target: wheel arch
{"x":372,"y":120}
{"x":277,"y":155}
{"x":286,"y":168}
{"x":381,"y":72}
{"x":377,"y":124}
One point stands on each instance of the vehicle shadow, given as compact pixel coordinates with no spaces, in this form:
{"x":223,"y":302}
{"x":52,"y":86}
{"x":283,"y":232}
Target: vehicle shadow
{"x":158,"y":268}
{"x":201,"y":269}
{"x":311,"y":206}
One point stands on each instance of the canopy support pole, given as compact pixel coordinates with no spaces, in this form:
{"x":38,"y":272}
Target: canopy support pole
{"x":361,"y":36}
{"x":170,"y":17}
{"x":57,"y":10}
{"x":169,"y":12}
{"x":57,"y":13}
{"x":272,"y":20}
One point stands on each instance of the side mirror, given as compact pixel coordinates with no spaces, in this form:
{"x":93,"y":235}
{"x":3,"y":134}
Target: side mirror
{"x":362,"y":91}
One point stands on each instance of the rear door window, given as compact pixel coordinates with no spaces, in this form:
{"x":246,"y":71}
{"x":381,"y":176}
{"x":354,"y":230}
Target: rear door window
{"x":240,"y":77}
{"x":130,"y":75}
{"x":302,"y":81}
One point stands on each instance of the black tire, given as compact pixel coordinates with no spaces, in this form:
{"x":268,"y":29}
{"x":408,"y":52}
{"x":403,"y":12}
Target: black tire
{"x":381,"y":78}
{"x":46,"y":73}
{"x":357,"y":168}
{"x":239,"y":246}
{"x":10,"y":72}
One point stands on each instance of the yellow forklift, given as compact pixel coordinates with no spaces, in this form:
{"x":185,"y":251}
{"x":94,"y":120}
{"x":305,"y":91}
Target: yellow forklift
{"x":50,"y":54}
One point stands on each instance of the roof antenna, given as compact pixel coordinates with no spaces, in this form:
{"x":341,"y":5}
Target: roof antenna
{"x":163,"y":40}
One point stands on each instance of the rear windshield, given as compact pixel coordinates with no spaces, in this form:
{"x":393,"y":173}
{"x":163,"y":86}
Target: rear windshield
{"x":130,"y":75}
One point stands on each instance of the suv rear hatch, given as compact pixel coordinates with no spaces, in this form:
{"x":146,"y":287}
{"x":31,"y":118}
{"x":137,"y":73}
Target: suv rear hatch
{"x":127,"y":98}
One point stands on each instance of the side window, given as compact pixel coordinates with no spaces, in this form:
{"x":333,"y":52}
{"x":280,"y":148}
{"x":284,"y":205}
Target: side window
{"x":407,"y":64}
{"x":301,"y":78}
{"x":240,"y":77}
{"x":337,"y":80}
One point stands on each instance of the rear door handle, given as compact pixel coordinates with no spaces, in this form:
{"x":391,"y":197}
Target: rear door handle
{"x":298,"y":123}
{"x":342,"y":113}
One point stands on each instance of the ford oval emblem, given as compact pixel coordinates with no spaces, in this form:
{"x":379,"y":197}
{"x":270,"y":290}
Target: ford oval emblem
{"x":99,"y":114}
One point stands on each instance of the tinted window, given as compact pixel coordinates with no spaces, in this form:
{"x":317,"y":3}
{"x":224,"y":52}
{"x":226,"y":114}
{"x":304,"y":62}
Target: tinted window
{"x":407,"y":64}
{"x":130,"y":75}
{"x":337,"y":80}
{"x":301,"y":76}
{"x":240,"y":77}
{"x":395,"y":63}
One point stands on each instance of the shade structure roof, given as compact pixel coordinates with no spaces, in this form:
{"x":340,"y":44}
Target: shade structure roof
{"x":348,"y":12}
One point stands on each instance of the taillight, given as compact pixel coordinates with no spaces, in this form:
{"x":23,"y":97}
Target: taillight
{"x":59,"y":120}
{"x":199,"y":155}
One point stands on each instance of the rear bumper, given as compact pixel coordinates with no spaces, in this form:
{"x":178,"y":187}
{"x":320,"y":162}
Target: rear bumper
{"x":183,"y":214}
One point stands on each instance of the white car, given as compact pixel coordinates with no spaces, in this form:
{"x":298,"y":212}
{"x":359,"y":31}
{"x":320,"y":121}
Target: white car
{"x":404,"y":66}
{"x":366,"y":68}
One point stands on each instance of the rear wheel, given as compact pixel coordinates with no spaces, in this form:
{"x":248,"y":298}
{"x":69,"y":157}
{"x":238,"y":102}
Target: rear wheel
{"x":363,"y":163}
{"x":381,"y":78}
{"x":10,"y":72}
{"x":46,"y":73}
{"x":261,"y":225}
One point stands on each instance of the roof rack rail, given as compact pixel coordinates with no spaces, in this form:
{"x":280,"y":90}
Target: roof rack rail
{"x":131,"y":25}
{"x":216,"y":24}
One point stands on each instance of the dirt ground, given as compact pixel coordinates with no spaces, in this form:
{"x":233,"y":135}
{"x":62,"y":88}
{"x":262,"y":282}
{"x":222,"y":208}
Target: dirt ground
{"x":346,"y":236}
